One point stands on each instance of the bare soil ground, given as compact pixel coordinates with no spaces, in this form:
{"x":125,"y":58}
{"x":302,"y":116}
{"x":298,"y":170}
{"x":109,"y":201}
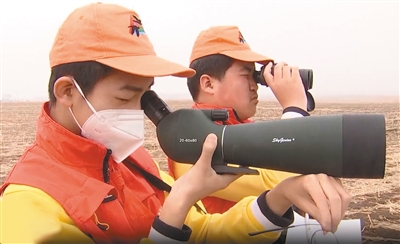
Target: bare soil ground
{"x":376,"y":202}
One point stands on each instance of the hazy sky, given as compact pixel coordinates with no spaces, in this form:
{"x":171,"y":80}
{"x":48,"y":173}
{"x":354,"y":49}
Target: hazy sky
{"x":353,"y":47}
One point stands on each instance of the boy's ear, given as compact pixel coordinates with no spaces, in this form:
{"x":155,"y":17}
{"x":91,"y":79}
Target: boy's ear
{"x":64,"y":90}
{"x":207,"y":84}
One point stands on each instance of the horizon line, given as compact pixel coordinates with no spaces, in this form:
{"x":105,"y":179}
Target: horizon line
{"x":324,"y":98}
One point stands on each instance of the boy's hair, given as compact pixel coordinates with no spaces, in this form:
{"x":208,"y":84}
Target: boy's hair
{"x":86,"y":74}
{"x":214,"y":65}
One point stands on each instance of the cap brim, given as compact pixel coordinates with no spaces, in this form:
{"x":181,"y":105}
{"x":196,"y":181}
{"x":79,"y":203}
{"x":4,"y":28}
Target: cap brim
{"x":148,"y":66}
{"x":247,"y":56}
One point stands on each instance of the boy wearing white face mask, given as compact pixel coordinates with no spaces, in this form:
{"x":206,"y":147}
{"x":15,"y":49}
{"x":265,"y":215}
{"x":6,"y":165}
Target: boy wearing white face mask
{"x":120,"y":130}
{"x":87,"y":177}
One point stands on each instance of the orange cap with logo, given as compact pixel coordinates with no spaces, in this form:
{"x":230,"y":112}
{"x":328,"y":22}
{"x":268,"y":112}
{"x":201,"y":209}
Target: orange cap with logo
{"x":226,"y":40}
{"x":114,"y":36}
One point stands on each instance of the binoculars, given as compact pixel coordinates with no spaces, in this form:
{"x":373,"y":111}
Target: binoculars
{"x":307,"y":77}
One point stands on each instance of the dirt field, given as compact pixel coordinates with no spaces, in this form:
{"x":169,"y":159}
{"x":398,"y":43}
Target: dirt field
{"x":375,"y":202}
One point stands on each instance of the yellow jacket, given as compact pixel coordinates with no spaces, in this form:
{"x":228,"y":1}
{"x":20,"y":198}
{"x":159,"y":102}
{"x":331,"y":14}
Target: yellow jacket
{"x":29,"y":215}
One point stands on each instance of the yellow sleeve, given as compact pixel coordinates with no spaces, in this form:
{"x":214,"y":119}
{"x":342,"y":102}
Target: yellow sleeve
{"x":233,"y":226}
{"x":29,"y":215}
{"x":247,"y":185}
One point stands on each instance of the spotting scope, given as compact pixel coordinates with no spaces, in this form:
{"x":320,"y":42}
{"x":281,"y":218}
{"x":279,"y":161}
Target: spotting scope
{"x":342,"y":145}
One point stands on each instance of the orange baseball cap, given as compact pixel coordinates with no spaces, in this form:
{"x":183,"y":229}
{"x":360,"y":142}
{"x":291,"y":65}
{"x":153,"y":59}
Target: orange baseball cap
{"x":226,"y":40}
{"x":114,"y":36}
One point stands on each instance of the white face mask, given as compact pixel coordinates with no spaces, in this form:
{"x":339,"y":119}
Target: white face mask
{"x":121,"y":130}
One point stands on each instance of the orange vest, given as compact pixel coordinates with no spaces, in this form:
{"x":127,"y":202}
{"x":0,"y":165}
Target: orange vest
{"x":82,"y":177}
{"x":215,"y":204}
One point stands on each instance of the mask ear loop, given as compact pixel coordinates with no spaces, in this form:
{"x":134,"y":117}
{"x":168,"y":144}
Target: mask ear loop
{"x":73,"y":116}
{"x":101,"y":118}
